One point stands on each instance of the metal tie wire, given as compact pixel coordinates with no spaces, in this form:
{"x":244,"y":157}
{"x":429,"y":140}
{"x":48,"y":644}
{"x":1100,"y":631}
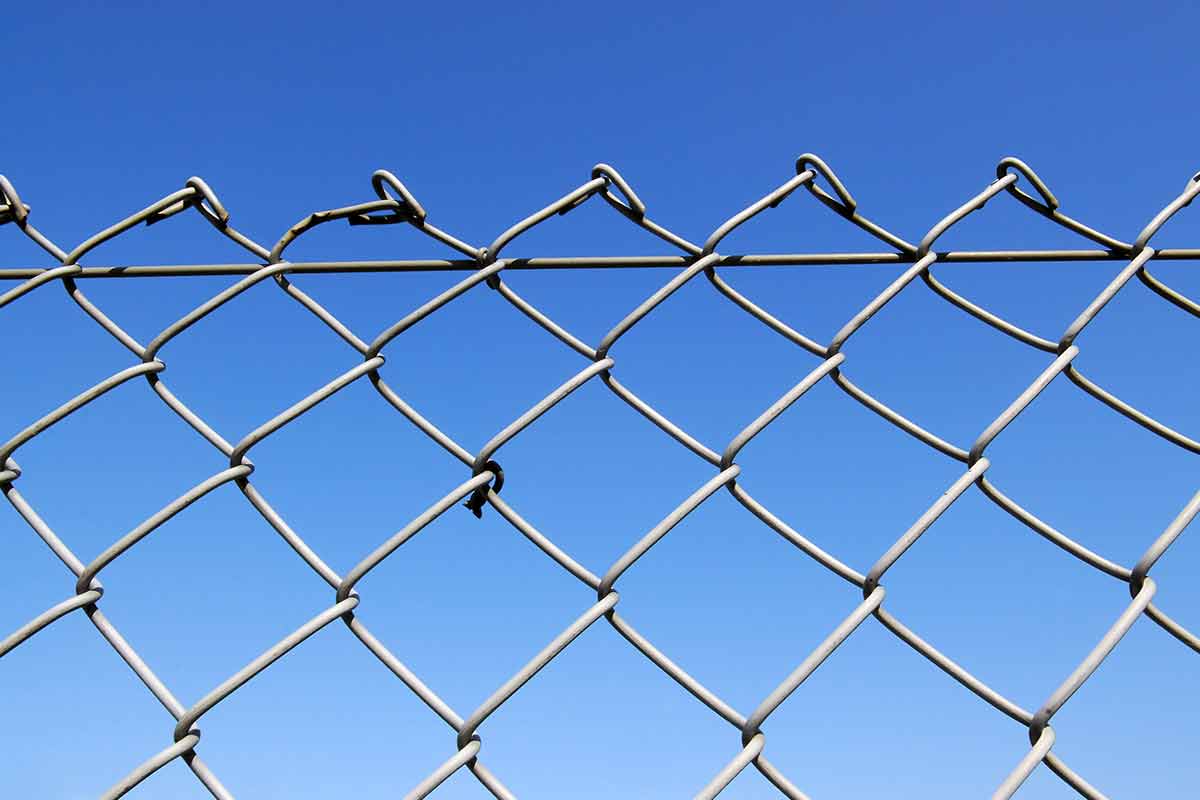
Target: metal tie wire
{"x":393,"y":204}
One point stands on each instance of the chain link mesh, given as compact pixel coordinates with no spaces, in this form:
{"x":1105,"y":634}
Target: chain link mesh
{"x":395,"y":204}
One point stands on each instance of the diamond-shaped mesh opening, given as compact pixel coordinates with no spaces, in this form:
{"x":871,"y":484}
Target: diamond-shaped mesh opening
{"x":144,"y":314}
{"x":955,"y":588}
{"x":346,"y":488}
{"x":328,"y":752}
{"x":873,"y":689}
{"x":588,"y":302}
{"x":688,"y":596}
{"x":842,"y":476}
{"x":370,"y":302}
{"x":1114,"y":487}
{"x":592,"y":474}
{"x":109,"y":465}
{"x":261,"y":333}
{"x":1041,"y":297}
{"x":922,"y":357}
{"x":813,"y":300}
{"x":208,"y":590}
{"x":1151,"y":369}
{"x":47,"y":335}
{"x":687,"y":359}
{"x":468,"y":636}
{"x":599,"y":685}
{"x":475,"y":365}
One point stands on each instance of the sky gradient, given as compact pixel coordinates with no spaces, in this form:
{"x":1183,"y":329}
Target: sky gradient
{"x":487,"y":114}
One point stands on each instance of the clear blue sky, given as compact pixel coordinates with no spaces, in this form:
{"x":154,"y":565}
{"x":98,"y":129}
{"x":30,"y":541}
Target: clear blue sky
{"x":488,"y":113}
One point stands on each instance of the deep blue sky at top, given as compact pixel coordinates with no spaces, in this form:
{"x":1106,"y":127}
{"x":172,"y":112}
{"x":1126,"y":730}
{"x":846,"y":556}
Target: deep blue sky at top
{"x":488,"y":112}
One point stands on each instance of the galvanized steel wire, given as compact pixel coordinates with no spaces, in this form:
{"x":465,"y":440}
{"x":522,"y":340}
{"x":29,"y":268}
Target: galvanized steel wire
{"x":395,"y":204}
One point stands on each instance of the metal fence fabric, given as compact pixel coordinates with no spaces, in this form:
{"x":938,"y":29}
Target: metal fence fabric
{"x":481,"y":491}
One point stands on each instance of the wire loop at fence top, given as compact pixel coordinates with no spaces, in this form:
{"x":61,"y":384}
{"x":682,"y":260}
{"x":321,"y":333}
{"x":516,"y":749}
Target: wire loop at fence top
{"x":395,"y":203}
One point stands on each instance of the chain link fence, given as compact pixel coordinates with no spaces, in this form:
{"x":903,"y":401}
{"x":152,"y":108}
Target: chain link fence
{"x":481,"y":490}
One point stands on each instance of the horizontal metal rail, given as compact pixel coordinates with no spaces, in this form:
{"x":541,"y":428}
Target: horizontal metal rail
{"x":598,"y":262}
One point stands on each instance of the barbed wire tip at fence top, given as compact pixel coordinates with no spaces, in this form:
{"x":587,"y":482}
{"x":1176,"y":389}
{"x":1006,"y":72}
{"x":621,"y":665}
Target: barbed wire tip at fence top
{"x":394,"y":203}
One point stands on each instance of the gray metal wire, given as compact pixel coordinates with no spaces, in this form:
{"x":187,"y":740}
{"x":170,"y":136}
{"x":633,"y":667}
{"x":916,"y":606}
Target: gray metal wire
{"x":395,"y":204}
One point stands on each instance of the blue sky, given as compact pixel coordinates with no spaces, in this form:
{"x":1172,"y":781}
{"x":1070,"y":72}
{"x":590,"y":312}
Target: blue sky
{"x":488,"y":113}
